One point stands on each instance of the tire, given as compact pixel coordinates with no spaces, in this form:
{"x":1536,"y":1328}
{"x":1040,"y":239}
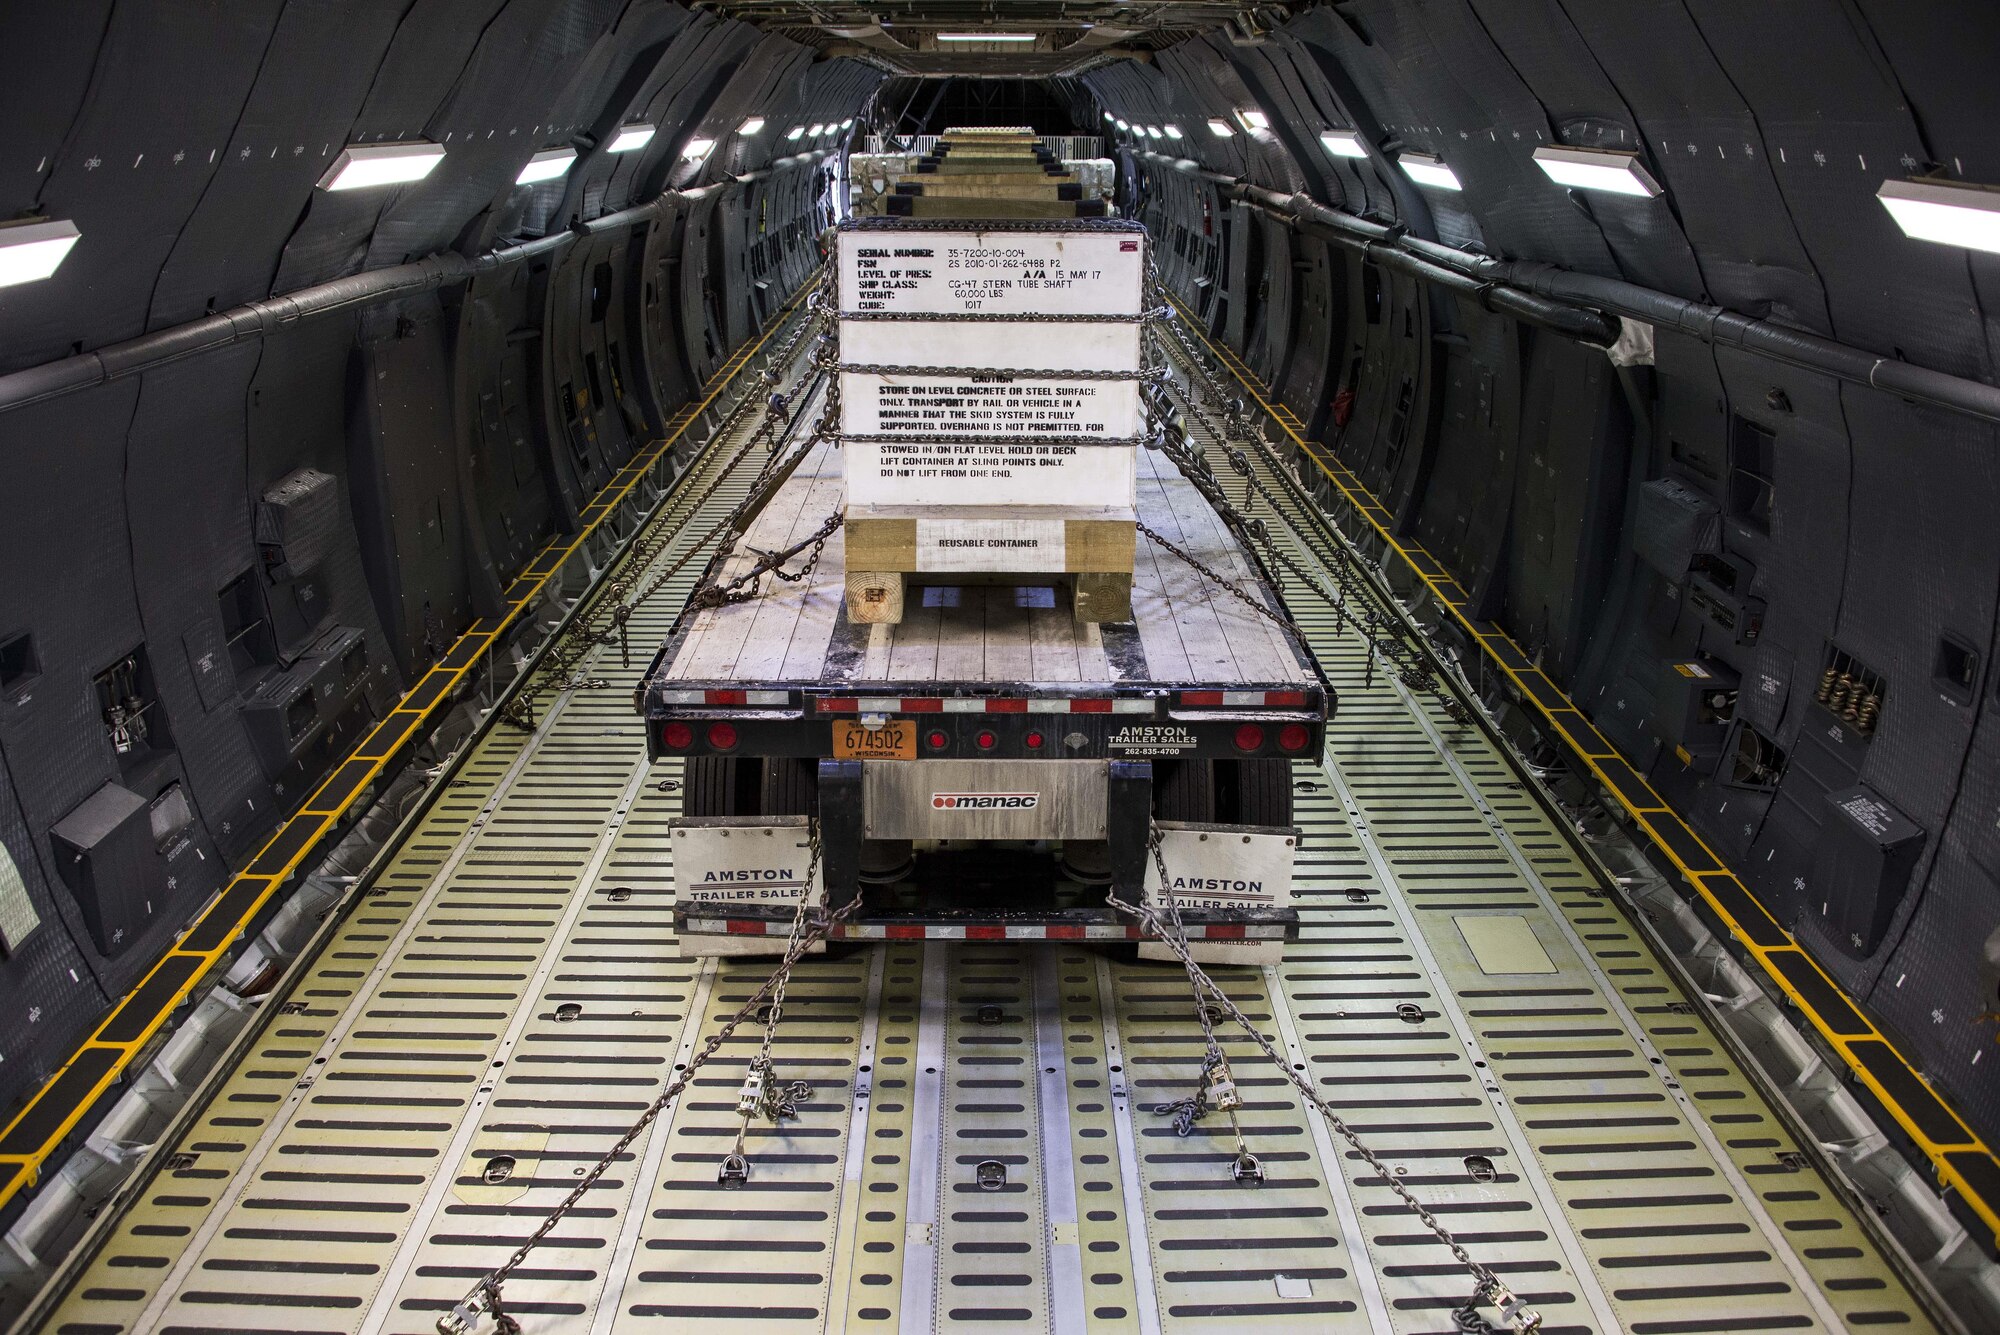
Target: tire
{"x":1254,"y":792}
{"x":1184,"y":790}
{"x":712,"y":787}
{"x":790,"y":787}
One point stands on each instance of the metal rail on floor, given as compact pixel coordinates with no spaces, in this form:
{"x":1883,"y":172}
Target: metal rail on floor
{"x":981,"y":1149}
{"x":1963,"y":1160}
{"x":38,"y":1131}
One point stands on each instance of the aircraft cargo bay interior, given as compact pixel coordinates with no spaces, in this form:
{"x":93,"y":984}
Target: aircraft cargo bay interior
{"x":1071,"y":666}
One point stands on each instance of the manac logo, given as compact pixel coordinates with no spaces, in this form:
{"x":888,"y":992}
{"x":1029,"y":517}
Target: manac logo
{"x":985,"y":801}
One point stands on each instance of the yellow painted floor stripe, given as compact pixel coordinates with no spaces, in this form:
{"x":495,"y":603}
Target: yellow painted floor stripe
{"x":1961,"y":1159}
{"x":36,"y":1132}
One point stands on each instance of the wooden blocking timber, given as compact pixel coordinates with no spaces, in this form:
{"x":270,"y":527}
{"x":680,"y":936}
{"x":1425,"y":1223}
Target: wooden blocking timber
{"x":875,"y":597}
{"x":1103,"y":596}
{"x":992,"y":539}
{"x":1100,"y":546}
{"x":1091,"y":552}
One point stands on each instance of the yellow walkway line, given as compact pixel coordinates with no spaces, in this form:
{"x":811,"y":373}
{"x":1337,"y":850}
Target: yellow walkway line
{"x":1962,"y":1160}
{"x":39,"y":1129}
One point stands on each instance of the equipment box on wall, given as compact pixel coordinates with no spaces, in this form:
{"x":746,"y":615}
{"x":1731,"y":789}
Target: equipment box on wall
{"x":1867,"y":850}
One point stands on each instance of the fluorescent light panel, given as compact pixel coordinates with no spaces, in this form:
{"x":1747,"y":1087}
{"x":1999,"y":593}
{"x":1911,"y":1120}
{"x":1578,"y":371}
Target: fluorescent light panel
{"x":986,"y":37}
{"x":1949,"y":213}
{"x":1220,"y":129}
{"x":360,"y":166}
{"x":751,"y":126}
{"x":630,"y":137}
{"x":1427,"y":170}
{"x":1173,"y":132}
{"x":1253,"y":119}
{"x":1153,"y":132}
{"x":1596,"y":169}
{"x":30,"y":251}
{"x":546,"y":165}
{"x":1344,"y":143}
{"x":796,"y":132}
{"x":698,"y":148}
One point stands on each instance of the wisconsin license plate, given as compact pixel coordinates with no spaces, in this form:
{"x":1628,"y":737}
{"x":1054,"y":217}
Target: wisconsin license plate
{"x":891,"y":741}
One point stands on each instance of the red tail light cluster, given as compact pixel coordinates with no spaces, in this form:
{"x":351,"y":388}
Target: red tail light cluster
{"x":1249,"y":737}
{"x":1293,"y":737}
{"x":722,"y":736}
{"x":677,"y":736}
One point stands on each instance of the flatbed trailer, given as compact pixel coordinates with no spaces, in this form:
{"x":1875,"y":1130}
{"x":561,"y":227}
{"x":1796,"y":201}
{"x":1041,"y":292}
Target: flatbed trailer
{"x":990,"y":766}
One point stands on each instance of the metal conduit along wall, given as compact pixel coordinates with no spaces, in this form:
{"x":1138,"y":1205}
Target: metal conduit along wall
{"x":260,"y":319}
{"x":1577,"y":304}
{"x":273,"y":450}
{"x":1783,"y":479}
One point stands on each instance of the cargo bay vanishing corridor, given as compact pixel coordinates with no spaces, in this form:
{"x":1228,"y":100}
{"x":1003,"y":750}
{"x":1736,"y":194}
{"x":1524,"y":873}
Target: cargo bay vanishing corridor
{"x":981,"y":1147}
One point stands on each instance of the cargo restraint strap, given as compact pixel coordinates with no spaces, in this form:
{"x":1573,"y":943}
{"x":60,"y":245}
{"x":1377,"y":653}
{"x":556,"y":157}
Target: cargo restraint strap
{"x":35,"y":1134}
{"x":1962,"y":1161}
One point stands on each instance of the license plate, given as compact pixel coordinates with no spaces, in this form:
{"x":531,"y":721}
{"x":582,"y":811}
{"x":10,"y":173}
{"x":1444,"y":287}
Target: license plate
{"x":891,"y":741}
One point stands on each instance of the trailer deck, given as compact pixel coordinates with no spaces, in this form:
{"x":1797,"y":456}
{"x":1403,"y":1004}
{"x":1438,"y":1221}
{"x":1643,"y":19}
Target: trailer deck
{"x":1185,"y":629}
{"x":489,"y":1015}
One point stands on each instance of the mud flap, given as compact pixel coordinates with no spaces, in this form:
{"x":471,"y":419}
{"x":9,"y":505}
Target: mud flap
{"x":1222,"y":868}
{"x":731,"y":862}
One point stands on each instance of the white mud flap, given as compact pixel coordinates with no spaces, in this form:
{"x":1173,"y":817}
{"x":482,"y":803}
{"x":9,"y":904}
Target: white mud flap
{"x":1223,"y":869}
{"x":726,"y":864}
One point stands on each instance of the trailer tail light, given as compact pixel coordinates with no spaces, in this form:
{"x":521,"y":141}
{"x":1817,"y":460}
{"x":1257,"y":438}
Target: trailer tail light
{"x":722,"y":736}
{"x":1249,"y":737}
{"x":986,"y":741}
{"x":938,"y":740}
{"x":1034,"y":741}
{"x":677,"y":736}
{"x":1293,"y":737}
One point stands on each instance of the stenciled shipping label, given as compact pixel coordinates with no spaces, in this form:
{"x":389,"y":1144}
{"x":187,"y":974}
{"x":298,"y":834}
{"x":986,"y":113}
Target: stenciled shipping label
{"x":989,"y":405}
{"x":958,"y":473}
{"x":992,"y":273}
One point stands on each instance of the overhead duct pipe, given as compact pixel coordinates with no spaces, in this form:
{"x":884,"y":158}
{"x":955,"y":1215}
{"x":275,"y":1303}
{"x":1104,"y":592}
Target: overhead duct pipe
{"x":274,"y":315}
{"x":1536,"y":291}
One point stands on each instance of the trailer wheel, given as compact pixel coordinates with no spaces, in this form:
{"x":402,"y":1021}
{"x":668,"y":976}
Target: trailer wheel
{"x":1184,"y":790}
{"x":714,"y":786}
{"x":790,"y":787}
{"x":1254,"y":792}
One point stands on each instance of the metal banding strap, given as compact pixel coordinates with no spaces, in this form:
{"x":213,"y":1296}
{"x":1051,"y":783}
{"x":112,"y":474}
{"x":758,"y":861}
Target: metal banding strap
{"x":1153,"y":316}
{"x":881,"y":438}
{"x":1025,"y":373}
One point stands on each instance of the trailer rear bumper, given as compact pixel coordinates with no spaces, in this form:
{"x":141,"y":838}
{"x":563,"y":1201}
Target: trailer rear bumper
{"x":1224,"y":936}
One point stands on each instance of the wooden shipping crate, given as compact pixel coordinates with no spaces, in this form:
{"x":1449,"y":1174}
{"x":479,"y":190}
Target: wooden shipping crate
{"x":1089,"y":550}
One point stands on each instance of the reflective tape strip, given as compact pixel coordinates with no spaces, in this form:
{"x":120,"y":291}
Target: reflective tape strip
{"x":997,"y":931}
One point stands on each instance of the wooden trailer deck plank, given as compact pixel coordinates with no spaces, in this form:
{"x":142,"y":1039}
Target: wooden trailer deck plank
{"x":1189,"y":630}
